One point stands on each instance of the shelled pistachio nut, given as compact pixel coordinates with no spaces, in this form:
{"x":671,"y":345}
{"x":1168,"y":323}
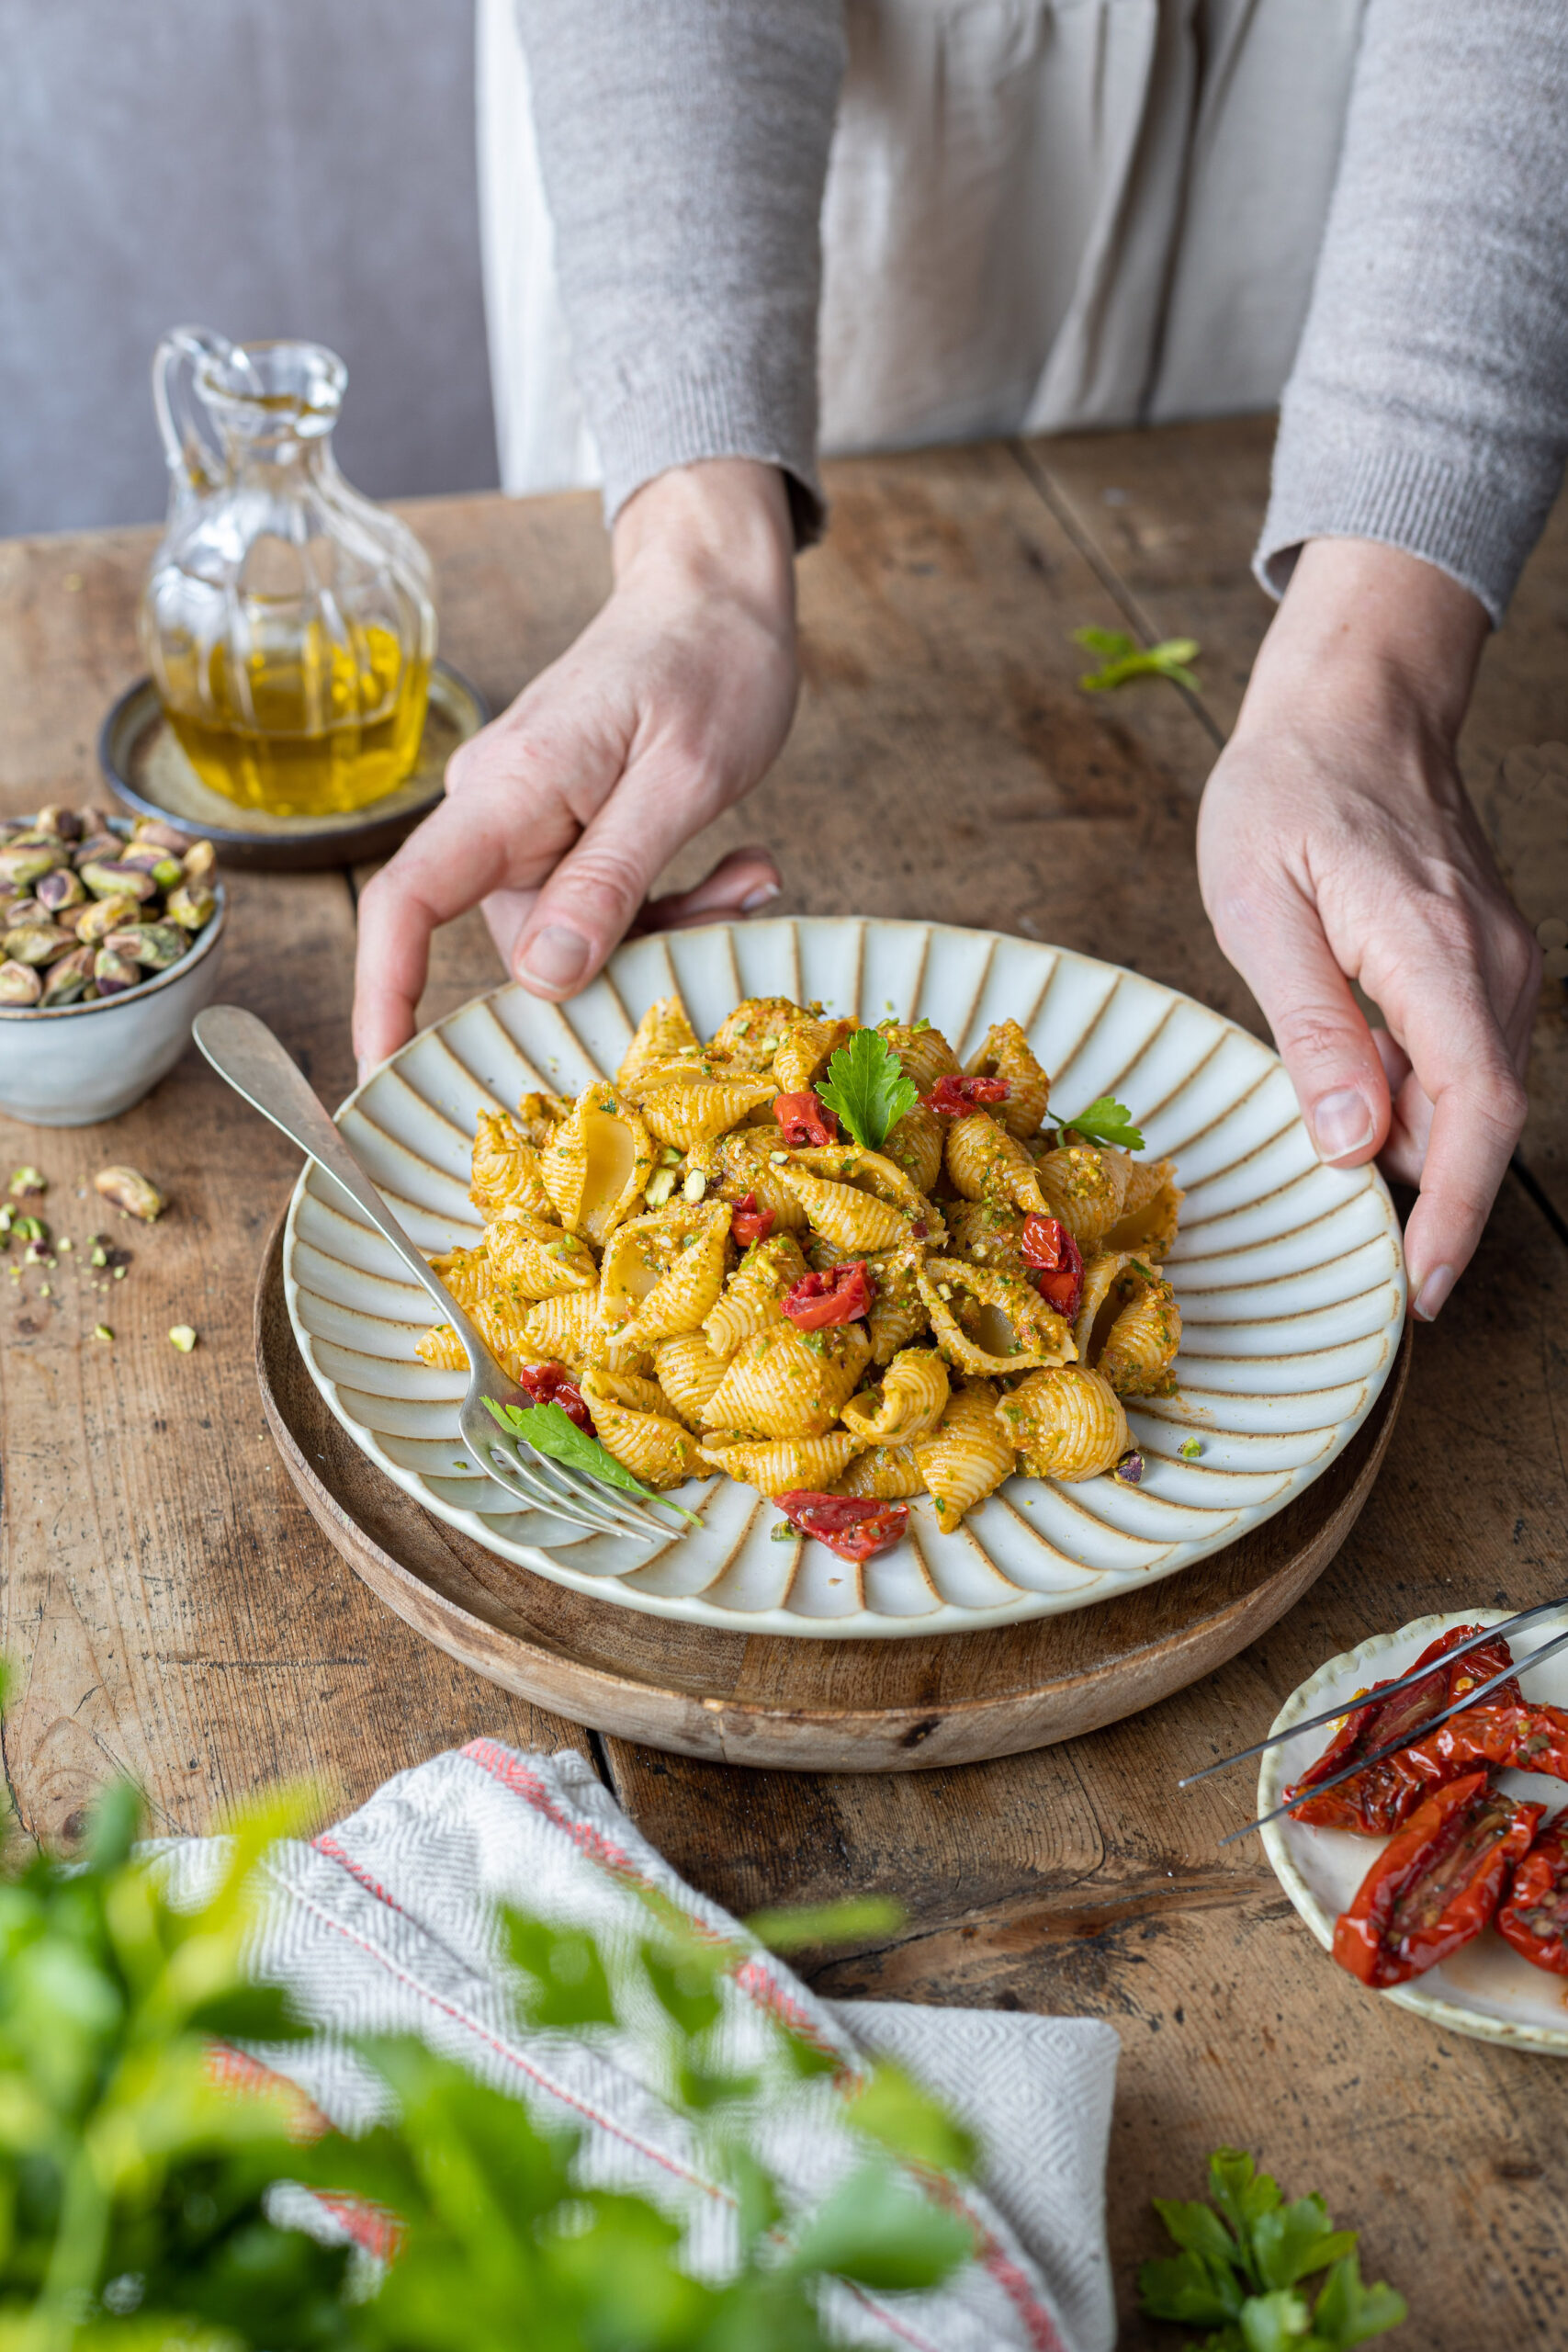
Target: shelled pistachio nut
{"x":70,"y":979}
{"x":128,"y":1189}
{"x":155,"y":945}
{"x":65,"y":824}
{"x":97,"y":845}
{"x":152,"y":833}
{"x":146,"y":857}
{"x":38,"y":943}
{"x":19,"y":983}
{"x":200,"y":861}
{"x":106,"y":915}
{"x":114,"y":972}
{"x":191,"y":905}
{"x":113,"y":879}
{"x":60,"y":888}
{"x":23,"y":862}
{"x":24,"y":909}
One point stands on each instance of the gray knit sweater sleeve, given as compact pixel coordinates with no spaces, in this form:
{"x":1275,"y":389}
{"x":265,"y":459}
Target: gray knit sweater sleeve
{"x":1429,"y":404}
{"x":684,"y":148}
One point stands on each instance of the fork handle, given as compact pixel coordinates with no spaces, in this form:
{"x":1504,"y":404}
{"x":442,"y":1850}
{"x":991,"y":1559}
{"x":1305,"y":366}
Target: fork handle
{"x":243,"y":1050}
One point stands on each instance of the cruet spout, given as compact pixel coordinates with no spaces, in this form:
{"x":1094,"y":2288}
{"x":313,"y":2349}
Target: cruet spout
{"x":186,"y":358}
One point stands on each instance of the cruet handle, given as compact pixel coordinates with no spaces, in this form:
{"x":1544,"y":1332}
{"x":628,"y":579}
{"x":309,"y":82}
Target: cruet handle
{"x":196,"y":464}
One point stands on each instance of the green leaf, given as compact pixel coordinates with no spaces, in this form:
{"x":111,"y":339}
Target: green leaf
{"x":570,"y":1985}
{"x":1183,"y":2287}
{"x":250,"y":2013}
{"x":1294,"y":2240}
{"x":906,"y":2120}
{"x":866,"y":1087}
{"x":876,"y":2229}
{"x":549,"y":1429}
{"x":1123,"y":658}
{"x":1348,"y":2313}
{"x":1108,"y":1122}
{"x":685,"y":1993}
{"x":1276,"y":2323}
{"x":1243,"y":2195}
{"x":112,"y":1824}
{"x":810,"y":1926}
{"x":1199,"y":2228}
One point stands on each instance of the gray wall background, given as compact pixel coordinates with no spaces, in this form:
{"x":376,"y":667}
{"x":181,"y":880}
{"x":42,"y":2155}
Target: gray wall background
{"x":265,"y":167}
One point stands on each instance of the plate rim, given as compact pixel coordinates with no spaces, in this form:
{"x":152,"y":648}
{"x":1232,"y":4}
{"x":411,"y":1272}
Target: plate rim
{"x":865,"y":1624}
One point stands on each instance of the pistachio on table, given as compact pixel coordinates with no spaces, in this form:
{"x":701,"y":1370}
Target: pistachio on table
{"x":89,"y":908}
{"x":129,"y":1189}
{"x":27,"y":1184}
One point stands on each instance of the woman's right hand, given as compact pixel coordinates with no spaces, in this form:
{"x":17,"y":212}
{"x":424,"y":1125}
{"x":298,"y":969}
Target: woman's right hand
{"x":559,"y":816}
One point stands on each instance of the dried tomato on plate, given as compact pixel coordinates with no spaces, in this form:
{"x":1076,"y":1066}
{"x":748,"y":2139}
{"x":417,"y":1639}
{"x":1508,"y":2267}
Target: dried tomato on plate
{"x":1534,"y":1916}
{"x":1436,"y":1884}
{"x":841,"y":1295}
{"x":1048,"y":1246}
{"x":854,"y":1529}
{"x":806,"y":1119}
{"x":954,"y":1098}
{"x":1377,"y":1800}
{"x":551,"y":1384}
{"x":1532,"y":1740}
{"x":748,"y":1222}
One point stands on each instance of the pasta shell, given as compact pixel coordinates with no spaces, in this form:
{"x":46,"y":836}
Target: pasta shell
{"x":806,"y":1050}
{"x":538,"y":1116}
{"x":819,"y":1177}
{"x":662,"y":1273}
{"x":856,"y":1221}
{"x":467,"y":1273}
{"x":986,"y":1322}
{"x":755,"y":1029}
{"x":908,"y":1401}
{"x":567,"y":1329}
{"x":1005,"y":1053}
{"x":505,"y":1169}
{"x":752,"y":1294}
{"x":752,"y":1161}
{"x":1068,"y":1423}
{"x":637,"y":1394}
{"x":987,"y":1234}
{"x":500,"y":1316}
{"x":702,"y":1109}
{"x":533,"y":1259}
{"x":596,"y":1164}
{"x":915,"y":1145}
{"x":966,"y":1456}
{"x":986,"y":1163}
{"x":1100,"y":1304}
{"x":1151,"y":1209}
{"x":441,"y":1346}
{"x":663,"y":1034}
{"x":653,"y":1446}
{"x":897,"y":1310}
{"x":786,"y":1382}
{"x":688,"y":1373}
{"x":778,"y":1467}
{"x":884,"y":1474}
{"x":924,"y":1054}
{"x":1142,"y":1343}
{"x":1085,"y":1187}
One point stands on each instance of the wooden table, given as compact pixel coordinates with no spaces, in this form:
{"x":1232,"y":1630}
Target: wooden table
{"x":172,"y":1613}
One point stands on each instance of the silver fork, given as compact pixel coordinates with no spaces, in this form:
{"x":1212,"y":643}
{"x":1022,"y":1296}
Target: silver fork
{"x":244,"y":1051}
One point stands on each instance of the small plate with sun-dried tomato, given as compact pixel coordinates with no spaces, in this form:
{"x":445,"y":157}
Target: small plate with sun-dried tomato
{"x":1438,"y":1876}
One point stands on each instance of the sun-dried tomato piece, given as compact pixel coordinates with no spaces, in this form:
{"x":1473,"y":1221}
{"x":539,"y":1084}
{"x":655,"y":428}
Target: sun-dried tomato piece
{"x":849,"y":1526}
{"x":748,"y":1222}
{"x":1534,"y":1916}
{"x":1048,"y":1246}
{"x":841,"y":1294}
{"x":954,"y":1098}
{"x":806,"y":1119}
{"x":1374,"y":1801}
{"x":1436,"y":1884}
{"x":551,"y":1384}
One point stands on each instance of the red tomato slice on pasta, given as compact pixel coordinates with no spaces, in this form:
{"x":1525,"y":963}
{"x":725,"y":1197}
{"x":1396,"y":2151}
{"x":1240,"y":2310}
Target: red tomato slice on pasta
{"x":551,"y":1384}
{"x":842,"y":1294}
{"x":748,"y":1222}
{"x":806,"y":1119}
{"x":1048,"y":1246}
{"x":954,"y":1098}
{"x":854,"y":1529}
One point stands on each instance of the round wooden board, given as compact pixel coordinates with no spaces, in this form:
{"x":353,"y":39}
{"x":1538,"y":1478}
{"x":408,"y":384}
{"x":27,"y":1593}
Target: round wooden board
{"x":816,"y":1706}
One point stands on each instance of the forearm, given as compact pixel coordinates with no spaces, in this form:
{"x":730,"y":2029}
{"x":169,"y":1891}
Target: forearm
{"x":684,"y":148}
{"x":1429,"y":405}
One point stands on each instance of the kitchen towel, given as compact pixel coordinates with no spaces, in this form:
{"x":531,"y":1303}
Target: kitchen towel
{"x":387,"y":1924}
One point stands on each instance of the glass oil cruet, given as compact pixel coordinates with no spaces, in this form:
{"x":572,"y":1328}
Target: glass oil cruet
{"x":288,"y":622}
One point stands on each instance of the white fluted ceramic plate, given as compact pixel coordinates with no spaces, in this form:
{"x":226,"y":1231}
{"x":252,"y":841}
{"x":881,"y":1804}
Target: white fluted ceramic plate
{"x":1485,"y":1989}
{"x":1290,"y":1277}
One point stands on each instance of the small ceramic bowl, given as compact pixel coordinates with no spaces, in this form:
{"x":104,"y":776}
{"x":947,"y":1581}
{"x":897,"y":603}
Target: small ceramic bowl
{"x":72,"y":1065}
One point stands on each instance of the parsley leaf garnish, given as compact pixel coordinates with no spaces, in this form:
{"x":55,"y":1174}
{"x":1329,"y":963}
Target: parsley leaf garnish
{"x":865,"y":1086}
{"x":1107,"y":1121}
{"x":549,"y":1429}
{"x":1122,"y":658}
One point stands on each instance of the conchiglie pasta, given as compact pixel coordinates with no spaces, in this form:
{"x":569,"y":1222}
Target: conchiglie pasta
{"x":909,"y":1400}
{"x":533,"y":1259}
{"x":688,"y":1372}
{"x":441,"y":1347}
{"x":1141,"y":1345}
{"x":806,"y":1050}
{"x":985,"y":1163}
{"x":752,"y":1161}
{"x":1005,"y":1053}
{"x":884,"y":1474}
{"x":1085,"y":1187}
{"x":852,"y":1219}
{"x":702,"y":1109}
{"x":966,"y":1456}
{"x":923,"y":1053}
{"x":567,"y":1329}
{"x":783,"y":1464}
{"x":1100,"y":1304}
{"x":1068,"y":1423}
{"x":467,"y":1274}
{"x":653,"y":1446}
{"x":663,"y":1272}
{"x":897,"y":1310}
{"x":663,"y":1034}
{"x":506,"y":1170}
{"x":991,"y":1323}
{"x":915,"y":1145}
{"x":1151,"y":1208}
{"x":985,"y":1233}
{"x":753,"y":1296}
{"x":540,"y":1115}
{"x":596,"y":1164}
{"x":755,"y":1029}
{"x":785,"y":1383}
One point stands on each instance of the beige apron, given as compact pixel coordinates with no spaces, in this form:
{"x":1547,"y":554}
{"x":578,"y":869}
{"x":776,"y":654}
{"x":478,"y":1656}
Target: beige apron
{"x":1039,"y":214}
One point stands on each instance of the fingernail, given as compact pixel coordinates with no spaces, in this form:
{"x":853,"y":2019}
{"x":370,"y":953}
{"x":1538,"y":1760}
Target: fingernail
{"x":760,"y":896}
{"x":555,"y":958}
{"x":1342,"y":1122}
{"x":1433,"y":1293}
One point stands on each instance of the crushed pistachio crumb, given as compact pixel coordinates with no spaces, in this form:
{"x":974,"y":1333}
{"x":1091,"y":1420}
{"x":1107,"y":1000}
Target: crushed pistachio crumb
{"x":181,"y":1336}
{"x":102,"y":1331}
{"x":65,"y":1242}
{"x":695,"y":1185}
{"x":1190,"y":1450}
{"x":783,"y":1533}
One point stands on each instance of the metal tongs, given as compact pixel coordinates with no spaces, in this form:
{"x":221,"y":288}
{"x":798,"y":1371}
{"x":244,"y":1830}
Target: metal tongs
{"x":244,"y":1051}
{"x":1388,"y":1690}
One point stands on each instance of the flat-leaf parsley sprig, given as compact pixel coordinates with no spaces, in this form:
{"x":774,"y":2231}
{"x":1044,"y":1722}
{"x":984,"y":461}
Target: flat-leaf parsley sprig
{"x":1123,"y":658}
{"x":868,"y":1090}
{"x":1107,"y":1121}
{"x":549,"y":1429}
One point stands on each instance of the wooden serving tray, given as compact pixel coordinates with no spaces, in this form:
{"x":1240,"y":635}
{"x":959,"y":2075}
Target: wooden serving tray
{"x":820,"y":1706}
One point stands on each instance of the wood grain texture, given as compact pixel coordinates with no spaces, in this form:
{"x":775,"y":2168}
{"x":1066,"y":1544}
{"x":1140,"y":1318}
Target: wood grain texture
{"x":889,"y":1706}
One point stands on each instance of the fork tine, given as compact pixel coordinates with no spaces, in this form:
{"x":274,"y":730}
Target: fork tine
{"x":520,"y":1479}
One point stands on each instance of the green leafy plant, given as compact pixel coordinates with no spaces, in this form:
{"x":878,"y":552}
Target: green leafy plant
{"x":866,"y":1088}
{"x":134,"y":2180}
{"x":1243,"y":2258}
{"x":1122,"y":658}
{"x":549,"y":1429}
{"x":1106,"y":1122}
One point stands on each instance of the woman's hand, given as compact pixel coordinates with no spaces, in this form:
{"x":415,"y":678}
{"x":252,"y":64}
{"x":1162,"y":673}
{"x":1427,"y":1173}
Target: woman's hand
{"x":1337,"y":842}
{"x":670,"y":706}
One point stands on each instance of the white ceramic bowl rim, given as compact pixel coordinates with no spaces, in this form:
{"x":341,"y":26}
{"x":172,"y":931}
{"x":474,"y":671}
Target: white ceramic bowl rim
{"x":204,"y":939}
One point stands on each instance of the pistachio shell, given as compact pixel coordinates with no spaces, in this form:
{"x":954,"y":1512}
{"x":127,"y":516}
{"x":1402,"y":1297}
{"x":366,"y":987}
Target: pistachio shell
{"x":38,"y":943}
{"x":106,"y":915}
{"x":191,"y":905}
{"x":70,"y":978}
{"x":60,"y":888}
{"x":114,"y":972}
{"x":130,"y":1189}
{"x":19,"y":983}
{"x":113,"y":879}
